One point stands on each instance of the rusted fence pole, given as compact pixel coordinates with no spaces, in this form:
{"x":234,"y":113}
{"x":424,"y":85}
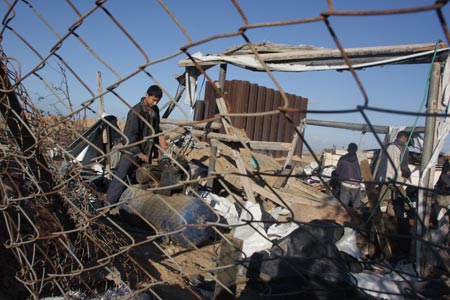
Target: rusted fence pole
{"x":424,"y":199}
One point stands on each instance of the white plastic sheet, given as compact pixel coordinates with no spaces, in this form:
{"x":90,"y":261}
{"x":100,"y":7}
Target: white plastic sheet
{"x":378,"y":285}
{"x":252,"y":233}
{"x":223,"y":206}
{"x":347,"y":243}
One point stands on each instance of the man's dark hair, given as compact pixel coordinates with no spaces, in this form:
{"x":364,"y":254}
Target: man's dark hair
{"x":155,"y":90}
{"x":401,"y":134}
{"x":352,"y":147}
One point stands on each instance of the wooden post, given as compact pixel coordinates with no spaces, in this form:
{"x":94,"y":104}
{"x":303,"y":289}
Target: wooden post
{"x":283,"y":177}
{"x":222,"y":76}
{"x":105,"y":133}
{"x":100,"y":91}
{"x":293,"y":146}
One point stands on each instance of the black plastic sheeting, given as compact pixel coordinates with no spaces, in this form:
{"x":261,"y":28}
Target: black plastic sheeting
{"x":92,"y":139}
{"x":305,"y":265}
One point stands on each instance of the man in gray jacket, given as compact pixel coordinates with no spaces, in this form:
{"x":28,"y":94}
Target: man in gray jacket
{"x":393,"y":172}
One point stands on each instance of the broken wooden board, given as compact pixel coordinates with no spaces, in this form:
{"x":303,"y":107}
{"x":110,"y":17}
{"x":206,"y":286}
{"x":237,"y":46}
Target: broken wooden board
{"x":303,"y":209}
{"x":244,"y":179}
{"x":283,"y":177}
{"x":261,"y":178}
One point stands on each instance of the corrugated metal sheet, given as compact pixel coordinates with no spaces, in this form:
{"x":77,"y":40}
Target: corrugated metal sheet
{"x":245,"y":97}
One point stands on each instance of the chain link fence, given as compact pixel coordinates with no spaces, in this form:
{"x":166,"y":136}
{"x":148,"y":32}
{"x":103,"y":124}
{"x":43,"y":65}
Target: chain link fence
{"x":61,"y":240}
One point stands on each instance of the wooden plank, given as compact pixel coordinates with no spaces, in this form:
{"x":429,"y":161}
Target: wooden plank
{"x":326,"y":56}
{"x":258,"y":145}
{"x":305,"y":190}
{"x":283,"y":177}
{"x":244,"y":176}
{"x":304,"y":209}
{"x":288,"y":196}
{"x":230,"y":253}
{"x":293,"y":148}
{"x":289,"y":128}
{"x":226,"y":121}
{"x":306,"y":213}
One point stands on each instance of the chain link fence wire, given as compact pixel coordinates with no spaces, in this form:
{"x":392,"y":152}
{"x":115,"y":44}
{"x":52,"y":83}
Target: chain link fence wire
{"x":57,"y":242}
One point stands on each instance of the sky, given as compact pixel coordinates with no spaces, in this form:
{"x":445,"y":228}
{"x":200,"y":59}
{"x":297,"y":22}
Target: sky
{"x":128,"y":35}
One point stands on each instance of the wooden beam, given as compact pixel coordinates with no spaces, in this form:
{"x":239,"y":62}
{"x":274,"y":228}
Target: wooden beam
{"x":282,"y":197}
{"x":319,"y":56}
{"x":244,"y":176}
{"x":283,"y":177}
{"x":293,"y":147}
{"x":303,"y":207}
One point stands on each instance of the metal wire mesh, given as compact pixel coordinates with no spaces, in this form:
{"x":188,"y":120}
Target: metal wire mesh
{"x":55,"y":242}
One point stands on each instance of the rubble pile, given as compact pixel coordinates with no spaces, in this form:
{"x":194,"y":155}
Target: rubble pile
{"x":265,"y":234}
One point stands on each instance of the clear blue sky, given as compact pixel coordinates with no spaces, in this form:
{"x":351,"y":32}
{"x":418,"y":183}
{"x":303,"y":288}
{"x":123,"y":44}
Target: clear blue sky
{"x":396,"y":87}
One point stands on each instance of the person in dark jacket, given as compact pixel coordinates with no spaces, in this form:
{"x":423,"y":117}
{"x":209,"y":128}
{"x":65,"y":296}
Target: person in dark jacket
{"x":349,"y":174}
{"x":142,"y":122}
{"x":443,"y":183}
{"x":441,"y":201}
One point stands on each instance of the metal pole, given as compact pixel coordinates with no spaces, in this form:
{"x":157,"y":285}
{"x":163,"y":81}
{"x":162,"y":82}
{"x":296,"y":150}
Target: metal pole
{"x":424,"y":200}
{"x":105,"y":135}
{"x":177,"y":98}
{"x":222,"y":76}
{"x":358,"y":127}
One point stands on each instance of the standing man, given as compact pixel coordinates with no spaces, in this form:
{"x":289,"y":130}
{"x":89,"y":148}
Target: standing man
{"x":441,"y":203}
{"x":397,"y":151}
{"x":349,"y":174}
{"x":142,"y":121}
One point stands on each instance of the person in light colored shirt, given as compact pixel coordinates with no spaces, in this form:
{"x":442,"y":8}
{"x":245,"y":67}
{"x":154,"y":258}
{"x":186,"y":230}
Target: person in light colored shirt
{"x":393,"y":172}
